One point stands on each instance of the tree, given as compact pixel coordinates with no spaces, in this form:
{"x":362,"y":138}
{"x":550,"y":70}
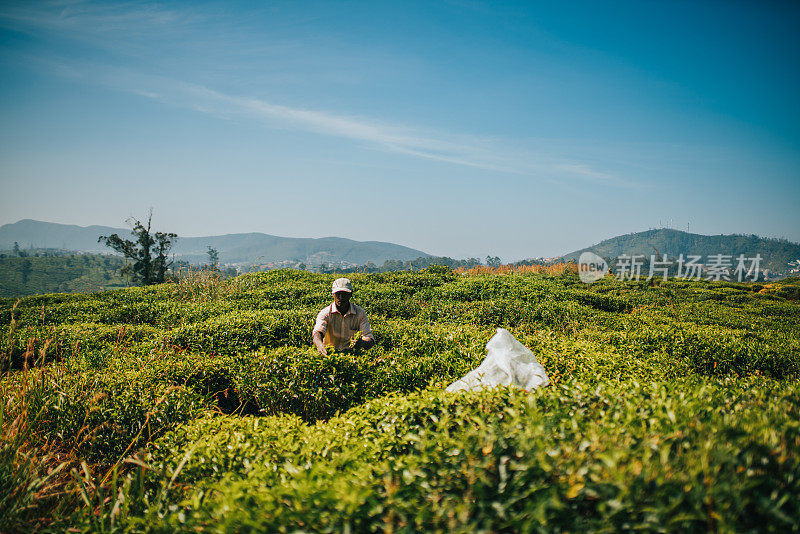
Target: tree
{"x":213,"y":258}
{"x":148,"y":252}
{"x":19,"y":252}
{"x":25,"y":270}
{"x":493,"y":261}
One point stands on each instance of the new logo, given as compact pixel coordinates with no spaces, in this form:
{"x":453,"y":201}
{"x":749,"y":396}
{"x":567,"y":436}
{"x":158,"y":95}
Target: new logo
{"x":591,"y":267}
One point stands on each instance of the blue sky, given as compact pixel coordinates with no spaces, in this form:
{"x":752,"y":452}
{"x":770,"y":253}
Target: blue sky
{"x":460,"y":128}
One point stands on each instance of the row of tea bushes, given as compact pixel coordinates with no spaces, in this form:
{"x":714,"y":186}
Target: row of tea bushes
{"x":102,"y":411}
{"x":100,"y":416}
{"x":689,"y":454}
{"x":511,"y":300}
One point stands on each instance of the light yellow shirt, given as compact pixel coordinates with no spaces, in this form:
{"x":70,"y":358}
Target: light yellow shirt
{"x":338,"y":329}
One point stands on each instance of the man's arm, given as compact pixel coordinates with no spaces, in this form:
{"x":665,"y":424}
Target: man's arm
{"x":367,"y":339}
{"x":317,"y":335}
{"x":319,"y":343}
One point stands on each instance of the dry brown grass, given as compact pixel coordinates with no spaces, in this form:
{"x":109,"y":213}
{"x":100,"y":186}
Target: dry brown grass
{"x":40,"y":477}
{"x":33,"y":474}
{"x":555,"y":269}
{"x":200,"y":284}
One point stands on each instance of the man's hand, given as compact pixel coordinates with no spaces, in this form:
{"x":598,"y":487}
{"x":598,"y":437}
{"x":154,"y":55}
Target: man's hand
{"x":317,"y":337}
{"x":364,"y":343}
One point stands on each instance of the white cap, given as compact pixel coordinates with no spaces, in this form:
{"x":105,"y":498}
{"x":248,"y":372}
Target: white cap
{"x":342,"y":284}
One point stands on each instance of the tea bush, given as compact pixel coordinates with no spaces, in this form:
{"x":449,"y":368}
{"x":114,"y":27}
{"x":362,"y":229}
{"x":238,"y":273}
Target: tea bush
{"x":571,"y":459}
{"x":673,"y":405}
{"x":240,"y":331}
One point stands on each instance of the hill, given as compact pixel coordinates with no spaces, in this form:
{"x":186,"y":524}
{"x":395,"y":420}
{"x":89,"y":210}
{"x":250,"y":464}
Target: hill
{"x":776,"y":253}
{"x":232,"y":248}
{"x":65,"y":273}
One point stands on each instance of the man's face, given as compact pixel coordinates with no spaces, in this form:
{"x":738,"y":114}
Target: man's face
{"x":341,"y":299}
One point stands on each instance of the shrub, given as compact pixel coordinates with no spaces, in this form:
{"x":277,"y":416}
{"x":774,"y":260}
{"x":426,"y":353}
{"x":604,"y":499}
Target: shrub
{"x":673,"y":406}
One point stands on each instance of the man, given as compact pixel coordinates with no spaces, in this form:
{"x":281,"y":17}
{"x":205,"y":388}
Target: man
{"x":337,"y":323}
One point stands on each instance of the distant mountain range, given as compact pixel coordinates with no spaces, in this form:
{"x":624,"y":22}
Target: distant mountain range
{"x":257,"y":248}
{"x":232,"y":248}
{"x":776,"y":253}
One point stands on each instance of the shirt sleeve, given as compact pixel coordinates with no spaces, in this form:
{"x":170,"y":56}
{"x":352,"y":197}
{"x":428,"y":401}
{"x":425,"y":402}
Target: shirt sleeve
{"x":366,"y":331}
{"x":321,"y":323}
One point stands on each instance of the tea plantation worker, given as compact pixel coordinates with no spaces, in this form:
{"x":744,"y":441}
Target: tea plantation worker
{"x":337,"y":322}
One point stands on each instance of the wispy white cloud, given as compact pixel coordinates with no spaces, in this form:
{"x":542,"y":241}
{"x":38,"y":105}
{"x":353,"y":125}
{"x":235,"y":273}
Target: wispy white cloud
{"x":81,"y":18}
{"x":491,"y":154}
{"x":586,"y":171}
{"x":107,"y":25}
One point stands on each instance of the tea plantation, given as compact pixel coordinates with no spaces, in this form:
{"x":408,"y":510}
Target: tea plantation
{"x":201,"y":406}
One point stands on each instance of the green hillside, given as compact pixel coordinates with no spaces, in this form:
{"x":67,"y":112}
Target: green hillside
{"x":201,"y":406}
{"x":68,"y":273}
{"x":232,"y":248}
{"x":776,"y":253}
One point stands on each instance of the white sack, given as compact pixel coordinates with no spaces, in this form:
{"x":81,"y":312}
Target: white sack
{"x":508,"y":362}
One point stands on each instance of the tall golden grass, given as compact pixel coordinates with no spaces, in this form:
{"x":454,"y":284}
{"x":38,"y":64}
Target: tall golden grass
{"x":32,"y":469}
{"x":41,"y":477}
{"x":555,"y":269}
{"x":199,"y":284}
